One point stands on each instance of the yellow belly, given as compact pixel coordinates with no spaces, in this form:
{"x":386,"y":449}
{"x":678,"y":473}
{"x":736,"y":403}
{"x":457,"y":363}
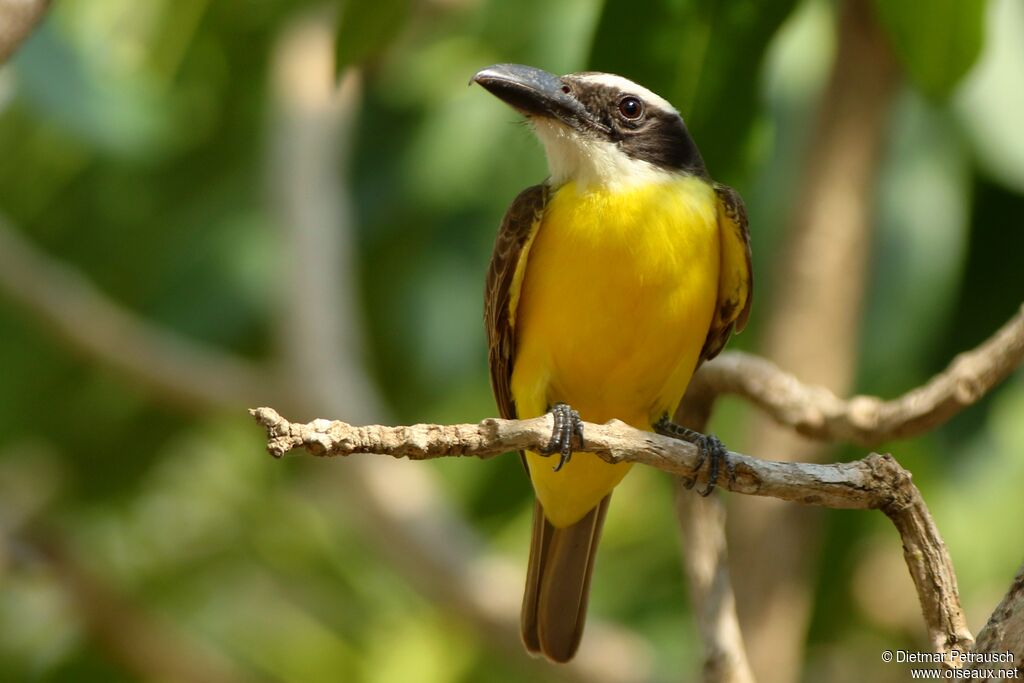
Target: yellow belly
{"x":615,"y":303}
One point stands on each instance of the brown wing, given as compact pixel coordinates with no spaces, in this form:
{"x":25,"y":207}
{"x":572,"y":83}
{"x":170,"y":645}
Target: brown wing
{"x":514,"y":236}
{"x":736,"y":278}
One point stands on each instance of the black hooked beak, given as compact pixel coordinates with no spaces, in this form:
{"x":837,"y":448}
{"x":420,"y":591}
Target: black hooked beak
{"x":535,"y":92}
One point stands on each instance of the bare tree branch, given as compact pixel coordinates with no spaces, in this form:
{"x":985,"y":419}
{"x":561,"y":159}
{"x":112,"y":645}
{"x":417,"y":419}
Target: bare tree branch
{"x":858,"y":485}
{"x":874,"y":482}
{"x":17,"y":19}
{"x":816,"y":412}
{"x":928,"y":560}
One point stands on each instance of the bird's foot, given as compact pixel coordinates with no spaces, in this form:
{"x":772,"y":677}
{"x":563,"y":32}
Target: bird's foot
{"x":568,"y":426}
{"x":709,"y":450}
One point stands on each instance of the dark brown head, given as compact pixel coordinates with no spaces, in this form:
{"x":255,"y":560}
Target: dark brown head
{"x":596,"y":126}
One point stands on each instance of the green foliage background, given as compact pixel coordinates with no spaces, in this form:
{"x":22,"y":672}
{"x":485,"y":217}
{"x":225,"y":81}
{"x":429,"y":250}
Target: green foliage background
{"x":133,"y":145}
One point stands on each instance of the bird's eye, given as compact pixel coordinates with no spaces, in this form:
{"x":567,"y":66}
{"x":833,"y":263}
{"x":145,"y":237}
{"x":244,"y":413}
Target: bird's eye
{"x":631,"y":108}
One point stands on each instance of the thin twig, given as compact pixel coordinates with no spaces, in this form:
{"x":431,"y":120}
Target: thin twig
{"x":874,"y":482}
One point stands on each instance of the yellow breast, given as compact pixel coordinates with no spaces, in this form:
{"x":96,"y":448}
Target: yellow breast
{"x":614,"y":306}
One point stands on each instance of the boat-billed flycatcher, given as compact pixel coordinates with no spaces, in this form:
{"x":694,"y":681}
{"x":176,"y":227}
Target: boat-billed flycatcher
{"x":610,"y":282}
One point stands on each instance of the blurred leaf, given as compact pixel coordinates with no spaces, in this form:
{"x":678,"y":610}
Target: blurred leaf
{"x":703,"y":56}
{"x":937,"y":43}
{"x":365,"y":27}
{"x":992,"y":96}
{"x":124,"y":114}
{"x":658,"y":44}
{"x":992,"y":288}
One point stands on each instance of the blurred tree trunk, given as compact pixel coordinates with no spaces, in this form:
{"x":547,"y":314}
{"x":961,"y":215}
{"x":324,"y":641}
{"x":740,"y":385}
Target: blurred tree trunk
{"x":17,"y":18}
{"x":812,"y":331}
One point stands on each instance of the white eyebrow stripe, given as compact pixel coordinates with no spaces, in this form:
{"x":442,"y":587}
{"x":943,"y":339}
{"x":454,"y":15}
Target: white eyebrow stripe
{"x":628,"y":86}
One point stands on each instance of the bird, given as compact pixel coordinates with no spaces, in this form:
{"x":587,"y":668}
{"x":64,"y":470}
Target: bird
{"x":609,"y":283}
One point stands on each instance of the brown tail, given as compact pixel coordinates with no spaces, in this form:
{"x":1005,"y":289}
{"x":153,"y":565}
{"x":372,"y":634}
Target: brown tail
{"x":558,"y":582}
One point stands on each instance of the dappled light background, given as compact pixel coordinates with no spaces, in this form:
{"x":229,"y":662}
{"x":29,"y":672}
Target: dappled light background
{"x":317,"y":241}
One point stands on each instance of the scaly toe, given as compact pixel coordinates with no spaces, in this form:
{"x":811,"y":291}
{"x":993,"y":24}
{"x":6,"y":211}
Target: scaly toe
{"x":712,"y":449}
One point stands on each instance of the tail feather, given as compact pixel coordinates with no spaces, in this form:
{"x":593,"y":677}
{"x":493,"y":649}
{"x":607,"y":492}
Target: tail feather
{"x":558,"y":582}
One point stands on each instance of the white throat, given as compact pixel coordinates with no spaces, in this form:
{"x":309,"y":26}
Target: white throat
{"x":590,"y":162}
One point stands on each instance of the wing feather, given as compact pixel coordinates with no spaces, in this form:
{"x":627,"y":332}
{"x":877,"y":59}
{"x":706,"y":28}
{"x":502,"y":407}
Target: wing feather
{"x":502,"y":292}
{"x":736,"y":278}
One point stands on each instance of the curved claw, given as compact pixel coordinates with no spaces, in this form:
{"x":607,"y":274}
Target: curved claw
{"x":709,"y":449}
{"x":712,"y":449}
{"x":567,"y":426}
